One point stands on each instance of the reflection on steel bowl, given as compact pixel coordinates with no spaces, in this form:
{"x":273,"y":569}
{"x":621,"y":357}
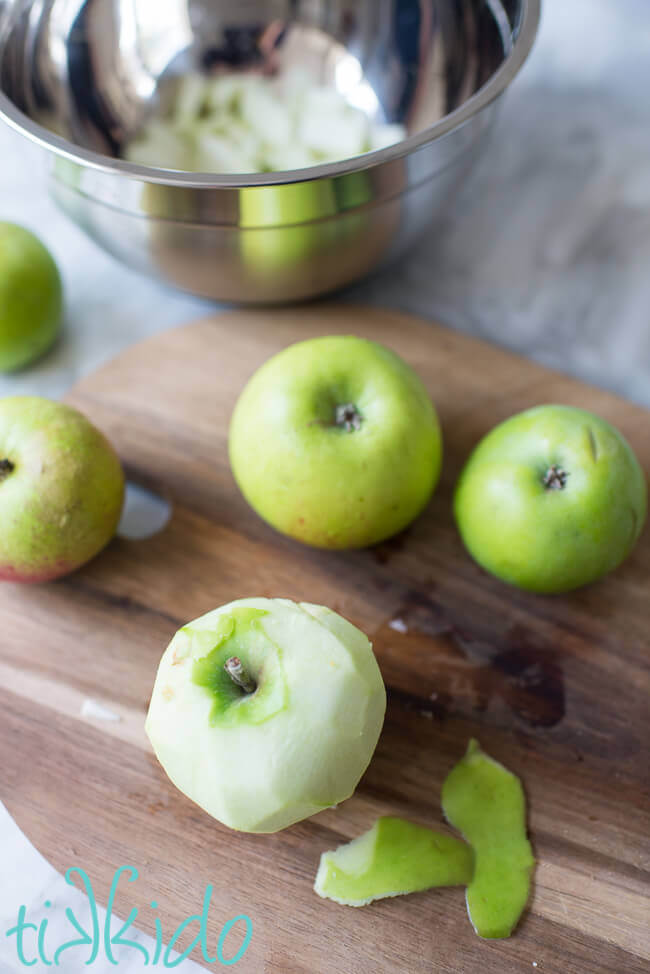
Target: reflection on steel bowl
{"x":81,"y":77}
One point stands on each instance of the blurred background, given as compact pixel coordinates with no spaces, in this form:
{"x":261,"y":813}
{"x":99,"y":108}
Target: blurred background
{"x":547,"y":250}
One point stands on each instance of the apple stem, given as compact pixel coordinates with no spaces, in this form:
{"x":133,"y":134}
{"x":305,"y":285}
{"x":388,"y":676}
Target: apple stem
{"x":6,"y":467}
{"x":348,"y":416}
{"x":239,"y":675}
{"x":555,"y":478}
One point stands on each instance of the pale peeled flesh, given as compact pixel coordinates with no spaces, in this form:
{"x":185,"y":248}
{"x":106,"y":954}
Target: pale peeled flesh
{"x":308,"y":754}
{"x":245,"y":123}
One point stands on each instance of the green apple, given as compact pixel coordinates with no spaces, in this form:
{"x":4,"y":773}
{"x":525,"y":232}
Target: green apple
{"x":352,"y":190}
{"x":264,"y":711}
{"x":551,"y":499}
{"x":286,"y":224}
{"x":31,"y":298}
{"x":392,"y":858}
{"x":334,"y":441}
{"x":61,"y":489}
{"x":486,"y":802}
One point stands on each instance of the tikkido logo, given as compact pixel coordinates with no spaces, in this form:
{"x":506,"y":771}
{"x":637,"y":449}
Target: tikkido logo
{"x":32,"y":939}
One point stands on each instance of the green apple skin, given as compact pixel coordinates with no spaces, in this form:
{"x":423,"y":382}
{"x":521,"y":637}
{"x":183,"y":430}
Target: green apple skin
{"x":393,"y":858}
{"x":327,"y":484}
{"x":259,"y":762}
{"x":286,"y":224}
{"x":543,"y":539}
{"x":486,"y":802}
{"x":61,"y":489}
{"x":31,"y":298}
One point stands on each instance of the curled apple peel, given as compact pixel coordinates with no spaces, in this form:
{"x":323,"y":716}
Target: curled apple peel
{"x":486,"y":802}
{"x":394,"y":857}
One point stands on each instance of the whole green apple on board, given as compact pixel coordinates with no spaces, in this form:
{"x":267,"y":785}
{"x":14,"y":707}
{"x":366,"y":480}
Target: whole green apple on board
{"x":31,"y":298}
{"x":335,"y":442}
{"x":61,"y":489}
{"x":551,"y":499}
{"x":264,"y":711}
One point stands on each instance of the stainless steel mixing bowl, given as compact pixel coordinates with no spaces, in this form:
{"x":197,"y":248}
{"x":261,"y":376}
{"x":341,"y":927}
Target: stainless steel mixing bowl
{"x":80,"y":76}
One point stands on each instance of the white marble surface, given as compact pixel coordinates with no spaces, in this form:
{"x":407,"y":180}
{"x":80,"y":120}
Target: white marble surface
{"x":548,"y":252}
{"x":47,"y":898}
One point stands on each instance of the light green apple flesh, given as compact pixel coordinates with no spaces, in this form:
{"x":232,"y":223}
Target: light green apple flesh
{"x":486,"y":803}
{"x":394,"y":857}
{"x":334,"y":441}
{"x":61,"y":489}
{"x":551,"y":499}
{"x":31,"y":298}
{"x":296,"y":741}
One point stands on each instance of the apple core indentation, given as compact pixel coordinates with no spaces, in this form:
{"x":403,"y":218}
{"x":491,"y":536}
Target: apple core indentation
{"x":555,"y":478}
{"x":239,"y":646}
{"x":235,"y":670}
{"x":6,"y":467}
{"x":348,"y":417}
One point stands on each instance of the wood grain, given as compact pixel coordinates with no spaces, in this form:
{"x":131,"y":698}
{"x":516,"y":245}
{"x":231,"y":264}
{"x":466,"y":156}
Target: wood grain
{"x":557,"y":688}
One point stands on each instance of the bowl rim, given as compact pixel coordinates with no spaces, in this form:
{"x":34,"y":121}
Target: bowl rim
{"x":528,"y":23}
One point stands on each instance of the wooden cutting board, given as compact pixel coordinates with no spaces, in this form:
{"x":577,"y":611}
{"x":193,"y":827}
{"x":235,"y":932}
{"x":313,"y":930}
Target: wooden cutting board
{"x":556,"y":688}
